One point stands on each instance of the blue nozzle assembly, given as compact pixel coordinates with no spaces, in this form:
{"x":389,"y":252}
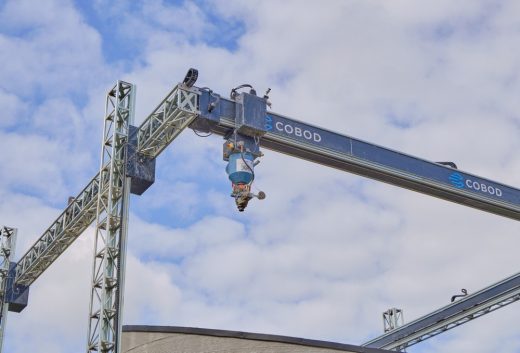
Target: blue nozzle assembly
{"x":242,"y":146}
{"x":241,"y":169}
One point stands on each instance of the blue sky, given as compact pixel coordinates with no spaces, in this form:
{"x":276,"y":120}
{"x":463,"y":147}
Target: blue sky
{"x":327,"y":252}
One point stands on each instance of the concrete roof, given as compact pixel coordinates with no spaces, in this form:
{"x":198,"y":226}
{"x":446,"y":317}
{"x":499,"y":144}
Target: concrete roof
{"x":303,"y":342}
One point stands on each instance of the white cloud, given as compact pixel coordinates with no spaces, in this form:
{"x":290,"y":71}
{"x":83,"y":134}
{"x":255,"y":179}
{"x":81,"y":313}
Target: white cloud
{"x":58,"y":54}
{"x":151,"y":295}
{"x":31,"y":163}
{"x":13,"y":109}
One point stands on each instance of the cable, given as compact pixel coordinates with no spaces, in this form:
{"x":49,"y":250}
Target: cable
{"x":233,"y":93}
{"x":247,"y":165}
{"x":199,"y":135}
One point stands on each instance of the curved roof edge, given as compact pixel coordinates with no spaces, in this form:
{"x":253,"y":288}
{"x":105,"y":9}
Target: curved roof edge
{"x":253,"y":336}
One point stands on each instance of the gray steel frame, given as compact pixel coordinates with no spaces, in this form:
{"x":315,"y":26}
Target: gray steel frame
{"x":159,"y":129}
{"x":7,"y":248}
{"x":62,"y":232}
{"x":106,"y":298}
{"x":155,"y":134}
{"x":473,"y":306}
{"x":392,"y":319}
{"x":168,"y":120}
{"x":178,"y":110}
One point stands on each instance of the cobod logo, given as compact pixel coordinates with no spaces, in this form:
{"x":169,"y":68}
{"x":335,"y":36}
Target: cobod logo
{"x":291,"y":130}
{"x":460,"y":182}
{"x":457,"y":180}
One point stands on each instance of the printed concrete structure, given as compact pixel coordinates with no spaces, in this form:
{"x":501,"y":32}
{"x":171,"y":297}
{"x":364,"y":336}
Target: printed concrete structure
{"x":172,"y":339}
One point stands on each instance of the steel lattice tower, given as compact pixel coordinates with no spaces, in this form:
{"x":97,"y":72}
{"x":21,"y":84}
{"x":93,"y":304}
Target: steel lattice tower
{"x":106,"y":299}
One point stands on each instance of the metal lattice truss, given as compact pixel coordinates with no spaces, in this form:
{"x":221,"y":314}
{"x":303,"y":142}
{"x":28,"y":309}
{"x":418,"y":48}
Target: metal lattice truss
{"x":161,"y":127}
{"x":455,"y":321}
{"x":392,"y":319}
{"x":168,"y":120}
{"x":110,"y":241}
{"x":455,"y":314}
{"x":7,"y":247}
{"x":79,"y":214}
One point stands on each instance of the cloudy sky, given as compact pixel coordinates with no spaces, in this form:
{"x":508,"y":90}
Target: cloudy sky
{"x":327,"y":252}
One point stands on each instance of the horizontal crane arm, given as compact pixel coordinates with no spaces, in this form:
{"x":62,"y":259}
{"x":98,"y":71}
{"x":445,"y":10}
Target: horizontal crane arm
{"x":349,"y":154}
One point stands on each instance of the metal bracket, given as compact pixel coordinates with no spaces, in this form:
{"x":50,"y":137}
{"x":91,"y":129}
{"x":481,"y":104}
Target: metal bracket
{"x":250,"y":115}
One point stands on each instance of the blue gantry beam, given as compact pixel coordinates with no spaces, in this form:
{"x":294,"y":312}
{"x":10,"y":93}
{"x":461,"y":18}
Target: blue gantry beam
{"x":353,"y":155}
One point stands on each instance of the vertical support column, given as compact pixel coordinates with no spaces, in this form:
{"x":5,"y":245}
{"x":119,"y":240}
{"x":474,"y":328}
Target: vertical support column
{"x":392,"y":319}
{"x":106,"y":300}
{"x":7,"y":247}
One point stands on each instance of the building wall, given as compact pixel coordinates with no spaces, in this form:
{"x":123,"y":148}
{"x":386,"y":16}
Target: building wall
{"x":223,"y":342}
